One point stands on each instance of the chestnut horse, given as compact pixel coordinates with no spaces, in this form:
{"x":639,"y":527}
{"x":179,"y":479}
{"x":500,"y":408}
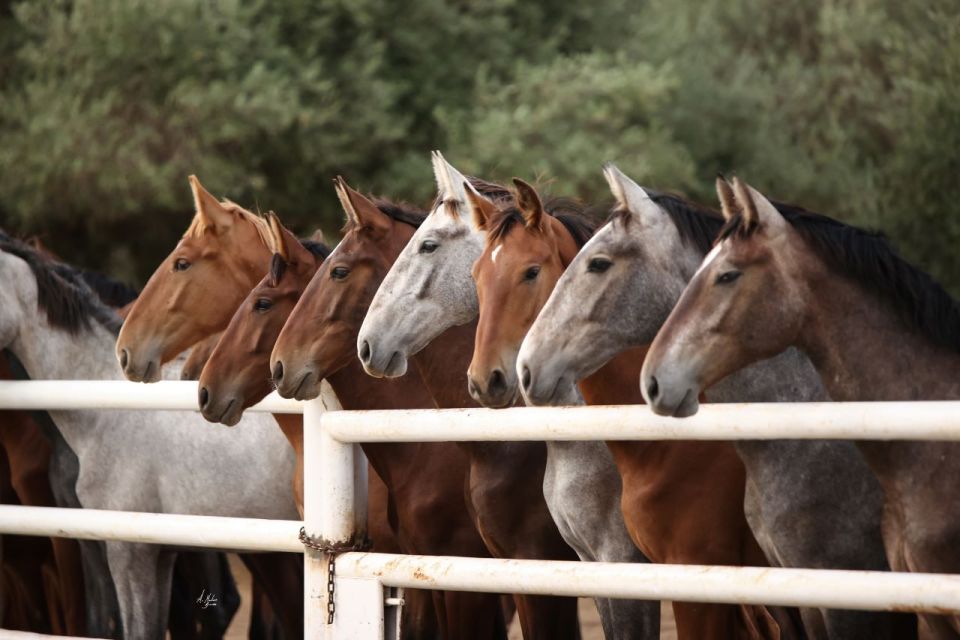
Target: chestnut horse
{"x":682,"y":502}
{"x":191,"y":296}
{"x":426,"y":480}
{"x":507,"y":507}
{"x":874,"y":326}
{"x":236,"y":376}
{"x":616,"y":294}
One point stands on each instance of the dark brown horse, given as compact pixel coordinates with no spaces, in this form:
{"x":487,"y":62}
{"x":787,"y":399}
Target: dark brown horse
{"x":874,"y":326}
{"x":682,"y":501}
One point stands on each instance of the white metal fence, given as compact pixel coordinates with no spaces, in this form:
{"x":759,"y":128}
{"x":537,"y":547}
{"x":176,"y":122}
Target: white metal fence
{"x":335,"y":507}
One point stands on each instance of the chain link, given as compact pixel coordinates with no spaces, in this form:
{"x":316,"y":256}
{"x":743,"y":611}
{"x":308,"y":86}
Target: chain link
{"x":332,"y":549}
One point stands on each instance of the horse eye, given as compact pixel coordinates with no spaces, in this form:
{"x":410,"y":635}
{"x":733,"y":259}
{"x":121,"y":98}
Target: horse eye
{"x":428,"y":246}
{"x":727,"y":277}
{"x":531,"y":273}
{"x":339,"y":273}
{"x":263,"y":304}
{"x":599,"y":265}
{"x":181,"y":265}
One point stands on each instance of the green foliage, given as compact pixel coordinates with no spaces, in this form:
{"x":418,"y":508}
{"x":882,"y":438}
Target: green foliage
{"x":851,"y":108}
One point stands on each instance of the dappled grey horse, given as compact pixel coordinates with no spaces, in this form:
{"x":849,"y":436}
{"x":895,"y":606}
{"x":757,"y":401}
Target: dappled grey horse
{"x":431,"y":283}
{"x":169,"y":462}
{"x":809,"y":503}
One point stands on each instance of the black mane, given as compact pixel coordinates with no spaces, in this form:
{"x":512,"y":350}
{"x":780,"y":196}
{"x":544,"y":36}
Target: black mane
{"x":570,"y":213}
{"x":62,"y":292}
{"x":870,"y":259}
{"x":112,"y":293}
{"x":697,"y":224}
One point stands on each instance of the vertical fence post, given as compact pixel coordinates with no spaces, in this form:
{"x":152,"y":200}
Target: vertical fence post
{"x":335,"y":499}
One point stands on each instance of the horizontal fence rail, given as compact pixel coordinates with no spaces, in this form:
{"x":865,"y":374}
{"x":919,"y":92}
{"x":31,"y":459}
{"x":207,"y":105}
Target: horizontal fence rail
{"x":173,"y":395}
{"x":212,"y":532}
{"x":803,"y":420}
{"x":335,"y":493}
{"x":866,"y":590}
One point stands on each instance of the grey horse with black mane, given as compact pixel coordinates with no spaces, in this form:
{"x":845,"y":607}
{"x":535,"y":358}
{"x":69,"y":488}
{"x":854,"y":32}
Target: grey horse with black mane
{"x":811,"y":504}
{"x":166,"y":462}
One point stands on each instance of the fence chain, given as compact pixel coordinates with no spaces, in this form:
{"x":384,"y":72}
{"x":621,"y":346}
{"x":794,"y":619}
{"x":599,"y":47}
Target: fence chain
{"x":332,"y":550}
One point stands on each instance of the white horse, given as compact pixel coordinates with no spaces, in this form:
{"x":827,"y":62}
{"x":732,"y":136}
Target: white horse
{"x":166,"y":462}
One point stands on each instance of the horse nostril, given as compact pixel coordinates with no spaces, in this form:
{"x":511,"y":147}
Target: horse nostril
{"x":653,"y":388}
{"x":365,"y":352}
{"x":498,"y":383}
{"x":204,"y":397}
{"x":526,"y":378}
{"x":278,"y":371}
{"x":124,"y":358}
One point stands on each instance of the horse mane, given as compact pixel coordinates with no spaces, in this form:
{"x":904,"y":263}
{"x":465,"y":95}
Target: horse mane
{"x":278,"y":266}
{"x":197,"y":228}
{"x":399,"y":211}
{"x":871,"y":260}
{"x":697,"y":224}
{"x":62,"y":292}
{"x":570,"y":213}
{"x":112,"y":293}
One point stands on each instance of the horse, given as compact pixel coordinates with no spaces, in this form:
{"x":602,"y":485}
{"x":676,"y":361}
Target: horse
{"x":57,"y":329}
{"x":235,"y":376}
{"x":430,"y":280}
{"x":511,"y":519}
{"x":427,"y":479}
{"x":616,"y":294}
{"x":874,"y":326}
{"x":37,"y":481}
{"x":682,"y":502}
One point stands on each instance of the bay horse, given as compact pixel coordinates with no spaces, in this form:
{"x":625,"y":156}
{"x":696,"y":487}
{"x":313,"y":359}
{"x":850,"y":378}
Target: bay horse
{"x":874,"y":326}
{"x":616,"y":294}
{"x":430,"y":280}
{"x":235,"y":376}
{"x":57,"y":328}
{"x":683,"y":502}
{"x":507,"y":508}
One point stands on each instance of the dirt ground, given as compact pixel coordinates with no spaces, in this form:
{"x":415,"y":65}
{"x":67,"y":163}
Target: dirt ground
{"x":589,"y":620}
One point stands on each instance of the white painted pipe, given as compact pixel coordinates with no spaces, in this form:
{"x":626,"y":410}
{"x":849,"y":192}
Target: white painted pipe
{"x":117,"y":394}
{"x":865,"y":590}
{"x":210,"y":532}
{"x":8,"y":634}
{"x":813,"y":420}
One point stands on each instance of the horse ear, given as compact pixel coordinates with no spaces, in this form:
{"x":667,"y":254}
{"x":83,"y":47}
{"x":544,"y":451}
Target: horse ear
{"x":211,"y":213}
{"x":277,"y":241}
{"x":360,"y":209}
{"x":449,"y":183}
{"x":728,"y":200}
{"x":528,"y":201}
{"x":481,"y":209}
{"x":757,"y":209}
{"x":632,"y":197}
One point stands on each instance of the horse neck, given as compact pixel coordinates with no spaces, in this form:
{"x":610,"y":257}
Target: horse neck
{"x":863,"y":350}
{"x":616,"y":382}
{"x":50,"y":353}
{"x":357,"y":391}
{"x":443,"y":366}
{"x":291,"y":424}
